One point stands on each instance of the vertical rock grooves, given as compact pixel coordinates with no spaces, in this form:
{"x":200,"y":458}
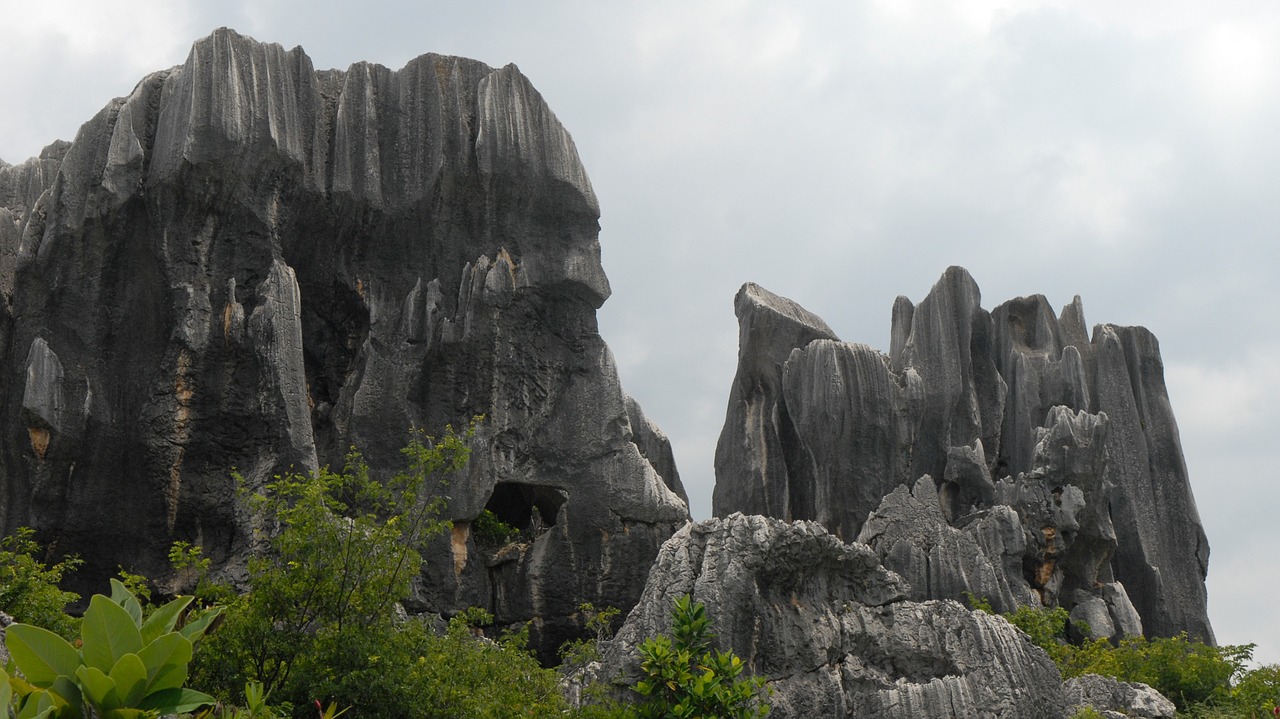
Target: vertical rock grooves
{"x":1044,"y":465}
{"x":248,"y":263}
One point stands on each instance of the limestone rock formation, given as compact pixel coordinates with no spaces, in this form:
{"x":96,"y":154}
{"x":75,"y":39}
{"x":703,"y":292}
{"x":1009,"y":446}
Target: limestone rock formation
{"x":1113,"y":697}
{"x":249,"y":263}
{"x":833,"y":631}
{"x":1054,"y":471}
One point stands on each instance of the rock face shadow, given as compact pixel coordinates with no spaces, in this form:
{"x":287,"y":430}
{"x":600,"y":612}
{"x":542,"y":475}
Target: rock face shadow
{"x":249,"y":263}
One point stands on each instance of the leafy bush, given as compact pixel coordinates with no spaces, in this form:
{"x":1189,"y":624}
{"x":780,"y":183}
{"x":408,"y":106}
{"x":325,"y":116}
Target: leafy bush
{"x":576,"y":654}
{"x":189,"y":560}
{"x":1193,"y":675}
{"x":462,"y":675}
{"x":125,"y":667}
{"x":1257,"y":692}
{"x":317,"y":622}
{"x":29,"y":588}
{"x":686,"y":678}
{"x":1187,"y":672}
{"x":490,"y":531}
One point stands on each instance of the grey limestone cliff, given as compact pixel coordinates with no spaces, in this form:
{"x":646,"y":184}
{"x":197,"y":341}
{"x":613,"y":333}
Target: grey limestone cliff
{"x":1006,"y":453}
{"x":833,"y":631}
{"x":250,"y":263}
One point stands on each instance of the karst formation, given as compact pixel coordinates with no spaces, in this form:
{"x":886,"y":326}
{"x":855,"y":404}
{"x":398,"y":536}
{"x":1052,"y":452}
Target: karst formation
{"x":251,"y":265}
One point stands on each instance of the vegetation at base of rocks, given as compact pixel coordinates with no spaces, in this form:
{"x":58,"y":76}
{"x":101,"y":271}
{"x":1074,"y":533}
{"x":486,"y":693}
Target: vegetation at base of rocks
{"x":576,"y":654}
{"x":341,"y":551}
{"x":194,"y":570}
{"x":1200,"y":679}
{"x":29,"y":591}
{"x":122,"y":667}
{"x":685,"y":677}
{"x":490,"y":531}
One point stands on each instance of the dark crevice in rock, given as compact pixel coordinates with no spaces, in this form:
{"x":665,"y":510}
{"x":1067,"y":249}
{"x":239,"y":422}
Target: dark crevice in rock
{"x":527,"y":507}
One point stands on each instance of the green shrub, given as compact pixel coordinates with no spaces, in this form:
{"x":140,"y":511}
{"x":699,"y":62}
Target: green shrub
{"x":576,"y":654}
{"x":1187,"y":672}
{"x":1193,"y":675}
{"x":462,"y":675}
{"x":490,"y":531}
{"x":684,"y":677}
{"x":189,"y":562}
{"x":29,"y":588}
{"x":1257,"y":692}
{"x":125,"y":667}
{"x":318,"y":614}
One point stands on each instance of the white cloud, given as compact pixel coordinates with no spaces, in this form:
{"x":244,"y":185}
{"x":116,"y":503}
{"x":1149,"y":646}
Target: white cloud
{"x":1229,"y":397}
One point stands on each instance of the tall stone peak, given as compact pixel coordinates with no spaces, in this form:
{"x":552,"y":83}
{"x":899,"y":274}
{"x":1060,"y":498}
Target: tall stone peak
{"x":250,"y":263}
{"x":1006,"y":453}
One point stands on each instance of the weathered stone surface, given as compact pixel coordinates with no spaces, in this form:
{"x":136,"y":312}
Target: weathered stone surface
{"x":832,"y":631}
{"x":248,"y":263}
{"x":5,"y":621}
{"x":947,"y":343}
{"x":757,"y":426}
{"x":850,"y":433}
{"x":1162,"y":554}
{"x":1105,"y":694}
{"x":656,"y":448}
{"x":1015,"y":408}
{"x":984,"y":557}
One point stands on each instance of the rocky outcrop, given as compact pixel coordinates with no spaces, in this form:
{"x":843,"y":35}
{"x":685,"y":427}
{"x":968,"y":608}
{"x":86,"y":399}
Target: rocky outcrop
{"x":1112,"y":697}
{"x":1054,"y":472}
{"x":751,"y":446}
{"x":5,"y":621}
{"x":833,"y":631}
{"x":249,"y":263}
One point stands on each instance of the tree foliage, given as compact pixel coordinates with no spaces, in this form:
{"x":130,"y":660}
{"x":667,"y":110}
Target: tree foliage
{"x":1200,"y":679}
{"x":318,"y":623}
{"x":29,"y":589}
{"x":686,"y":678}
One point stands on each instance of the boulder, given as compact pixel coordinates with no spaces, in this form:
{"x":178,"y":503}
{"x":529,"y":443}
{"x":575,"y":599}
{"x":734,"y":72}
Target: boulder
{"x":833,"y":631}
{"x":1125,"y":699}
{"x":249,"y":263}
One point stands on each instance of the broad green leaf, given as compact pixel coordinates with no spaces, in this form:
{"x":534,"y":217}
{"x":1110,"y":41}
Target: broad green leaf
{"x":163,"y":620}
{"x":166,"y":660}
{"x":67,"y":694}
{"x":38,"y":706}
{"x":197,"y":628}
{"x":130,"y":677}
{"x":121,"y":595}
{"x":41,"y":655}
{"x":6,"y":693}
{"x":119,"y":592}
{"x":99,"y":688}
{"x":108,"y":633}
{"x":176,"y":701}
{"x":21,"y":687}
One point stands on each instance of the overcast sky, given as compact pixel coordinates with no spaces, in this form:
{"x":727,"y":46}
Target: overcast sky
{"x":842,"y":154}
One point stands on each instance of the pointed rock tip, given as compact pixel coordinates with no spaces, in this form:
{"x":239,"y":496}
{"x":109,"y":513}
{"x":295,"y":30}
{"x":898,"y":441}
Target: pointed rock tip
{"x":753,"y":298}
{"x":955,"y":275}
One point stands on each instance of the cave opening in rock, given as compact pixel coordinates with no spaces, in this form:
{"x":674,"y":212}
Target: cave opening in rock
{"x":529,"y":508}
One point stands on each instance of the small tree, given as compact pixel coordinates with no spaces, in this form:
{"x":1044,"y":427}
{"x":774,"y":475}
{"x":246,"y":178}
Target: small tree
{"x":686,"y":678}
{"x":344,"y":549}
{"x":29,"y":589}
